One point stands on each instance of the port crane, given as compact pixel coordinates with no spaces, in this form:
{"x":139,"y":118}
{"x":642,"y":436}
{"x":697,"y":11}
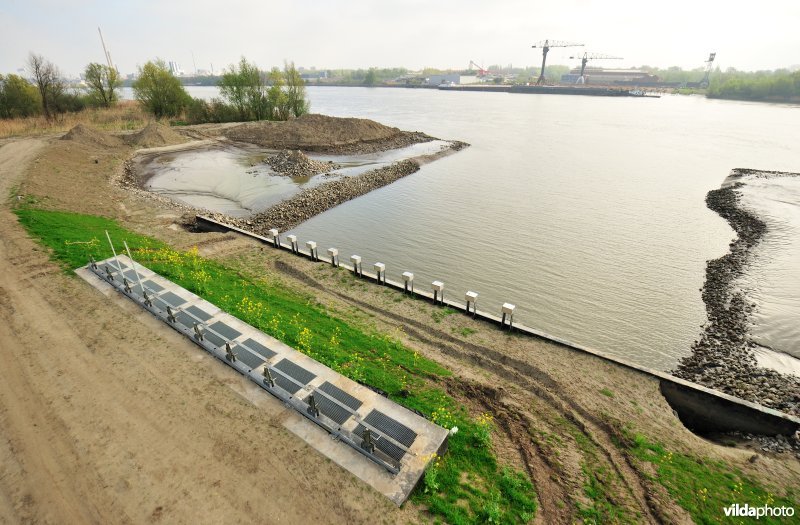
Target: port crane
{"x":546,"y":45}
{"x":591,"y":56}
{"x":709,"y":64}
{"x":105,"y":51}
{"x":481,"y":71}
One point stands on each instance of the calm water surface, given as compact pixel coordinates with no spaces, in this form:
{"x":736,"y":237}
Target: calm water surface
{"x":588,"y":213}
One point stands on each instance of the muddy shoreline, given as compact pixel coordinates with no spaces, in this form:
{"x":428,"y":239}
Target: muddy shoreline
{"x":310,"y":202}
{"x":724,"y":358}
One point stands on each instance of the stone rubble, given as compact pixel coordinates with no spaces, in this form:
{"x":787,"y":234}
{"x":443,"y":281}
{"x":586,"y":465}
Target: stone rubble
{"x":723,"y":358}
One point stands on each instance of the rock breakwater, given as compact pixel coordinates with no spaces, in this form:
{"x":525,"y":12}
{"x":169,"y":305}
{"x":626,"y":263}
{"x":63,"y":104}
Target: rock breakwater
{"x":723,"y":358}
{"x":313,"y":201}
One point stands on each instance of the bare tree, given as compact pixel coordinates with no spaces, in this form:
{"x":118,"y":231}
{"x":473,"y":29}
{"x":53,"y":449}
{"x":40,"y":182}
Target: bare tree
{"x":48,"y":80}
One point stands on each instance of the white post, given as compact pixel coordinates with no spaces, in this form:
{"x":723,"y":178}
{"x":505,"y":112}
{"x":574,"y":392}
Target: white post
{"x":472,"y":297}
{"x":293,"y":241}
{"x":438,"y":291}
{"x":276,"y":238}
{"x":508,"y":310}
{"x":312,"y":247}
{"x":380,"y":269}
{"x":408,"y":278}
{"x":334,"y":253}
{"x":356,"y":260}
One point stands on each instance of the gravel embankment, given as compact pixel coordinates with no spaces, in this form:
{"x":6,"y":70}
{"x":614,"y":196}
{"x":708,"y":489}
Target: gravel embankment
{"x":311,"y":202}
{"x":723,"y":358}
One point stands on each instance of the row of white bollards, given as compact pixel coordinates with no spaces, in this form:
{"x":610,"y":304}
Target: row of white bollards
{"x":470,"y":297}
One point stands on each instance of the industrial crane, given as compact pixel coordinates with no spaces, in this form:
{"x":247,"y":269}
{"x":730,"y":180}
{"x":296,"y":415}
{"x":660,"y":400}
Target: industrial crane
{"x":481,"y":71}
{"x":546,"y":45}
{"x":591,"y":56}
{"x":709,"y":64}
{"x":105,"y":50}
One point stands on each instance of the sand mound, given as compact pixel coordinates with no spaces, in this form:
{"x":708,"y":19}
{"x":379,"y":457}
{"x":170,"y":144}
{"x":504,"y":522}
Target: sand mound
{"x":323,"y":133}
{"x":91,"y":137}
{"x":154,"y":135}
{"x":296,"y":164}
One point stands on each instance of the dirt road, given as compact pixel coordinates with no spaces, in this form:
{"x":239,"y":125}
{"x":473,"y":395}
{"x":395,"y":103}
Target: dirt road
{"x":107,"y":418}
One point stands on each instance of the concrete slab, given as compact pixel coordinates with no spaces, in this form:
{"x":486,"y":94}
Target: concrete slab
{"x":405,"y":442}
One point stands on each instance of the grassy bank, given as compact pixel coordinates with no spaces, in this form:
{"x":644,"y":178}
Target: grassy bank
{"x":126,"y":115}
{"x":467,"y":485}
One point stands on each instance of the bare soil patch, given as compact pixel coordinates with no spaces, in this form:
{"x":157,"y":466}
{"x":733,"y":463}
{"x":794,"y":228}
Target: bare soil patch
{"x":323,"y":133}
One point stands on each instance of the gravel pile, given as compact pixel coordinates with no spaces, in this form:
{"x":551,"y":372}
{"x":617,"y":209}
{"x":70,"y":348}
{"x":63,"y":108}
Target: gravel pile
{"x":723,"y":358}
{"x":294,"y":163}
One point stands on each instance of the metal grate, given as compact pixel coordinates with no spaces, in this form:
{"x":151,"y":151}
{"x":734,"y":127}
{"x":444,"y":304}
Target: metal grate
{"x":258,"y":348}
{"x":294,"y":371}
{"x":245,"y":356}
{"x":200,"y":314}
{"x":225,"y":331}
{"x":172,"y":299}
{"x":333,"y":410}
{"x":388,"y":448}
{"x":391,"y":427}
{"x":327,"y":407}
{"x":341,"y":396}
{"x":153,"y":287}
{"x":214,"y":339}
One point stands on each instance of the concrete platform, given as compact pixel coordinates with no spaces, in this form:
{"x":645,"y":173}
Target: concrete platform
{"x":403,"y":442}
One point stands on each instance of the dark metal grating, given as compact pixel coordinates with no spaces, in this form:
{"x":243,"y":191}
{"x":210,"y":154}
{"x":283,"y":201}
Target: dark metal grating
{"x":294,"y":371}
{"x":331,"y":409}
{"x":391,"y":427}
{"x":172,"y":299}
{"x":251,"y":360}
{"x":214,"y":339}
{"x":258,"y":348}
{"x":185,"y":319}
{"x":153,"y":287}
{"x":388,"y":448}
{"x":225,"y":331}
{"x":340,"y":395}
{"x":200,"y":314}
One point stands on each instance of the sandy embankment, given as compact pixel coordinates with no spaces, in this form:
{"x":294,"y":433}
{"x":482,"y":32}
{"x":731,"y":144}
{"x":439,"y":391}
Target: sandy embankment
{"x":107,"y":416}
{"x":724,"y":358}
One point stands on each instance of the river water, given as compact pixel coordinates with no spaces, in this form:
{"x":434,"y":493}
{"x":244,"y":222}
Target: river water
{"x":588,"y":213}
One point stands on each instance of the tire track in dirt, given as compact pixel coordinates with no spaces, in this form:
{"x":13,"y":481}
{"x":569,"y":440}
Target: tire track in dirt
{"x":540,"y":384}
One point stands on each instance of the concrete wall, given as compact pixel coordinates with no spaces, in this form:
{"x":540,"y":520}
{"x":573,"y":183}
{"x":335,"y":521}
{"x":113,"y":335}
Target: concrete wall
{"x":700,"y":408}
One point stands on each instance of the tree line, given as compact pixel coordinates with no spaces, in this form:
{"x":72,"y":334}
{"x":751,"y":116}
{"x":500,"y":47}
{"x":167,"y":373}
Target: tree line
{"x":248,"y":93}
{"x":45,"y":92}
{"x":773,"y":86}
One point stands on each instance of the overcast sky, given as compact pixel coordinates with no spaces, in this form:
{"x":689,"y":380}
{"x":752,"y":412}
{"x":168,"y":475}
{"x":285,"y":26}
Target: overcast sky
{"x":394,"y":33}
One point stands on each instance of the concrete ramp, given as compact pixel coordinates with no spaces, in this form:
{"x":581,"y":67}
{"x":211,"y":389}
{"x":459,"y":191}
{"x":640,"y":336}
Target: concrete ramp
{"x":379,"y":441}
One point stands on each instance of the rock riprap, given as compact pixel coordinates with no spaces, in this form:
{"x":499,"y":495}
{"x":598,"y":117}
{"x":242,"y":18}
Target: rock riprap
{"x":294,"y":163}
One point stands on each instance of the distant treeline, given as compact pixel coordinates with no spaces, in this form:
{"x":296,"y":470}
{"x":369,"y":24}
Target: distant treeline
{"x":781,"y":85}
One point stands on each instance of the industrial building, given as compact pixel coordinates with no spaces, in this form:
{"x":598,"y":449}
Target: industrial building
{"x":600,"y":76}
{"x":452,"y":78}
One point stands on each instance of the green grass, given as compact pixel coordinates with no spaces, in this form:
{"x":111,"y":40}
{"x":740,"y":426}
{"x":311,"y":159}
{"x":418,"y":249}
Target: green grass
{"x":466,"y":485}
{"x":704,"y":487}
{"x":606,"y":392}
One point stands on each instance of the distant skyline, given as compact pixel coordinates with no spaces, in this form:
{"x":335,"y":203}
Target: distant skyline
{"x":390,"y":33}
